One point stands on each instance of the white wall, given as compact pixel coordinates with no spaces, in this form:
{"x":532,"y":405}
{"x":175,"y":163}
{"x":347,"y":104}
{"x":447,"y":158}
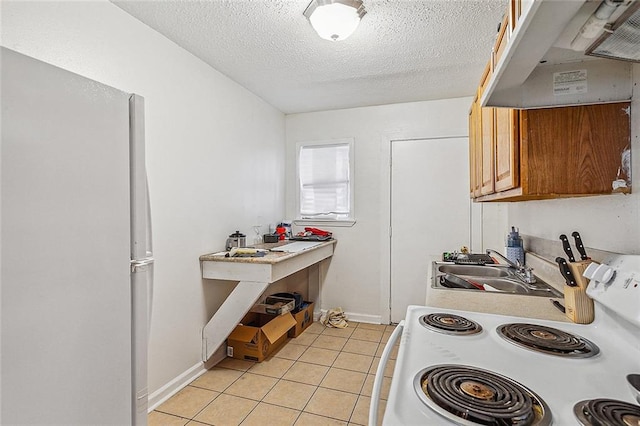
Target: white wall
{"x":215,"y":153}
{"x":609,"y":222}
{"x":359,"y":269}
{"x":494,"y":224}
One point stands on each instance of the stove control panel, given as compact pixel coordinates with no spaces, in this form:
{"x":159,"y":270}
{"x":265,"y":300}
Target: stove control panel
{"x":599,"y":272}
{"x":616,"y":285}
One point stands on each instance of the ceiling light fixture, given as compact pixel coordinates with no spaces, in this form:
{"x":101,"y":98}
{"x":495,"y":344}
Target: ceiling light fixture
{"x":335,"y":20}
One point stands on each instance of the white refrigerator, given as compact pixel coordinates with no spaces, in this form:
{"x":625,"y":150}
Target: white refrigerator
{"x":76,"y":249}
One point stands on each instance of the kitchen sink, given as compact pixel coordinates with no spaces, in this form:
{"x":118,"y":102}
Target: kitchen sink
{"x":474,"y":270}
{"x":495,"y":278}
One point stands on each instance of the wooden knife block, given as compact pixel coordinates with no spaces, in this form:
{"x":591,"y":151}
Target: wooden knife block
{"x":578,"y":306}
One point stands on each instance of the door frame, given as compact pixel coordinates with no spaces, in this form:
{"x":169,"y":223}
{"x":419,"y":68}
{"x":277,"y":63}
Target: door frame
{"x":385,"y":210}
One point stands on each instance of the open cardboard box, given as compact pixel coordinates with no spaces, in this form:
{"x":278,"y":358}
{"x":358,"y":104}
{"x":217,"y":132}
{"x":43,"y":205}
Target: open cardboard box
{"x":258,"y":335}
{"x":274,"y":305}
{"x":304,"y":318}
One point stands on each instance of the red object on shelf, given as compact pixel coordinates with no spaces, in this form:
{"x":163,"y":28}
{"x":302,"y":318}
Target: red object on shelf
{"x":316,"y":231}
{"x":281,"y":231}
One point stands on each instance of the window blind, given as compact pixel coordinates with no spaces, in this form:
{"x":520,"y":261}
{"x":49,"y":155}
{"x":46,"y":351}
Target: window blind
{"x":324,"y":181}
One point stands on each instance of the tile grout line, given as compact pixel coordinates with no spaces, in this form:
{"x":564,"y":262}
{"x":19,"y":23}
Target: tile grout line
{"x":236,"y":396}
{"x":358,"y":396}
{"x":316,"y":390}
{"x":272,"y":387}
{"x":210,"y":402}
{"x":219,"y":393}
{"x":325,"y":375}
{"x":353,"y":410}
{"x":280,"y":378}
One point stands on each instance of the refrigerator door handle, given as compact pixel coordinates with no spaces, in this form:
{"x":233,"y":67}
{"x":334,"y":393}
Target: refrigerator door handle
{"x":139,"y":265}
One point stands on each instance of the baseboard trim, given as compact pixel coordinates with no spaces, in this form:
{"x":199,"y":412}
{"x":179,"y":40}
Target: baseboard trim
{"x":175,"y":385}
{"x":371,"y":319}
{"x":352,"y":316}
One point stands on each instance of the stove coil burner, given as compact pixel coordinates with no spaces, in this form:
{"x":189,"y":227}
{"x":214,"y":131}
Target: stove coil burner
{"x":471,"y":396}
{"x":547,"y":340}
{"x":450,"y":324}
{"x":607,"y":412}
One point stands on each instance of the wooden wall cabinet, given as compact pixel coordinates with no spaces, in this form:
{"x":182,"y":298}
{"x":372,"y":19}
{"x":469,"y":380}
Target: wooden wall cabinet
{"x":484,"y":139}
{"x":487,"y":151}
{"x":475,"y":149}
{"x":518,"y":155}
{"x":515,"y":8}
{"x":493,"y":146}
{"x":507,"y":146}
{"x":501,"y":41}
{"x":556,"y":152}
{"x":574,"y":150}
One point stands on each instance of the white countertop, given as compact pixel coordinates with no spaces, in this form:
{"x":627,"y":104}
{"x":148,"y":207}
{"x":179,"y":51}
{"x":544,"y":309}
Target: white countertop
{"x":272,"y":257}
{"x":495,"y":303}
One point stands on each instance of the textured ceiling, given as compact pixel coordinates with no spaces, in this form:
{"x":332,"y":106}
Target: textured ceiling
{"x":403,"y":50}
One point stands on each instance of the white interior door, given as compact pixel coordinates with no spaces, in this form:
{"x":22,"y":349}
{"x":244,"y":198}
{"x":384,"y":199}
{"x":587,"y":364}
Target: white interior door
{"x":429,"y":212}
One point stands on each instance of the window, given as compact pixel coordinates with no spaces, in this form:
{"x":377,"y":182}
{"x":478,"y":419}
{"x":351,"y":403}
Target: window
{"x":325,"y":181}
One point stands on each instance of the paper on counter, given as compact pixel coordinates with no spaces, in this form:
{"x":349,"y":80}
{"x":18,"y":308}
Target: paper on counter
{"x":296,"y":246}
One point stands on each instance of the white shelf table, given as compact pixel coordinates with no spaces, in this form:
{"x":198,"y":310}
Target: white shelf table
{"x":254,"y":275}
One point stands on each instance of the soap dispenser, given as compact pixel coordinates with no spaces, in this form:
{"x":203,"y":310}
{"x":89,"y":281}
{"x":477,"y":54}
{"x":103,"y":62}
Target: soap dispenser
{"x":515,"y":248}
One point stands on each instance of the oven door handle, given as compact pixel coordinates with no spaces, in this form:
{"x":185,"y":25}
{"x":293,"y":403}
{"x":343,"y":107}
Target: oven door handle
{"x":377,"y":383}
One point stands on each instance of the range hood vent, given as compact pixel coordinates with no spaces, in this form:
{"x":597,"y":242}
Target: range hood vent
{"x":545,"y":65}
{"x":621,"y":40}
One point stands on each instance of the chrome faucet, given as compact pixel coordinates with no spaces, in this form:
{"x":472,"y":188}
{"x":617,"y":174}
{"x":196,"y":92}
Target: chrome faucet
{"x":522,"y":272}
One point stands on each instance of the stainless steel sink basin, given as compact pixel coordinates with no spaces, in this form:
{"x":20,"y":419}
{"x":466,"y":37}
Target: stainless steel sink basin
{"x":508,"y":285}
{"x":499,"y":279}
{"x":474,"y":270}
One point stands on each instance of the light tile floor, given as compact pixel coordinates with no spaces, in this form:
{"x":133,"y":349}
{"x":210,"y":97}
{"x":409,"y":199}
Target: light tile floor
{"x":322,"y":377}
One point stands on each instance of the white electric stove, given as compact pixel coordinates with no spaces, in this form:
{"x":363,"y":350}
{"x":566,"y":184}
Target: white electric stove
{"x":492,"y":374}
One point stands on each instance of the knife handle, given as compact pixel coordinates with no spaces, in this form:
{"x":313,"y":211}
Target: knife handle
{"x":567,"y":248}
{"x":579,"y":245}
{"x":558,"y":305}
{"x":566,"y":272}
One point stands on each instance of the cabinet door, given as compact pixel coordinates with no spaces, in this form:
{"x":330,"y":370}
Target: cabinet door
{"x":574,"y":150}
{"x":487,"y":118}
{"x":475,"y":149}
{"x":478,"y":152}
{"x":501,"y":41}
{"x":506,"y":148}
{"x":486,"y":138}
{"x":472,"y":148}
{"x":514,"y":13}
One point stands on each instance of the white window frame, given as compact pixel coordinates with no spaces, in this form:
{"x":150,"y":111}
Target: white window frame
{"x":326,"y":221}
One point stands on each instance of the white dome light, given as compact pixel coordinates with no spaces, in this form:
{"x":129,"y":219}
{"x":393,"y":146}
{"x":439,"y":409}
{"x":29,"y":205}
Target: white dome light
{"x":335,"y":20}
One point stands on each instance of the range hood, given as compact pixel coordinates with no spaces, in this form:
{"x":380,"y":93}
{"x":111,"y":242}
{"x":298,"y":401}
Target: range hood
{"x":567,"y":52}
{"x":611,"y":31}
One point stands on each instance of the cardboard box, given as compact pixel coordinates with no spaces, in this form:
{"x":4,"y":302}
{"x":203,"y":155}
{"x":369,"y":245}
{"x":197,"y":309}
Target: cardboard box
{"x":258,"y":335}
{"x":304,"y":318}
{"x":274,"y":305}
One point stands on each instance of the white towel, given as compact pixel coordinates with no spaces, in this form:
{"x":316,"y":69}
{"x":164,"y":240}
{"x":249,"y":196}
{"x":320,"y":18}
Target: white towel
{"x":335,"y":318}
